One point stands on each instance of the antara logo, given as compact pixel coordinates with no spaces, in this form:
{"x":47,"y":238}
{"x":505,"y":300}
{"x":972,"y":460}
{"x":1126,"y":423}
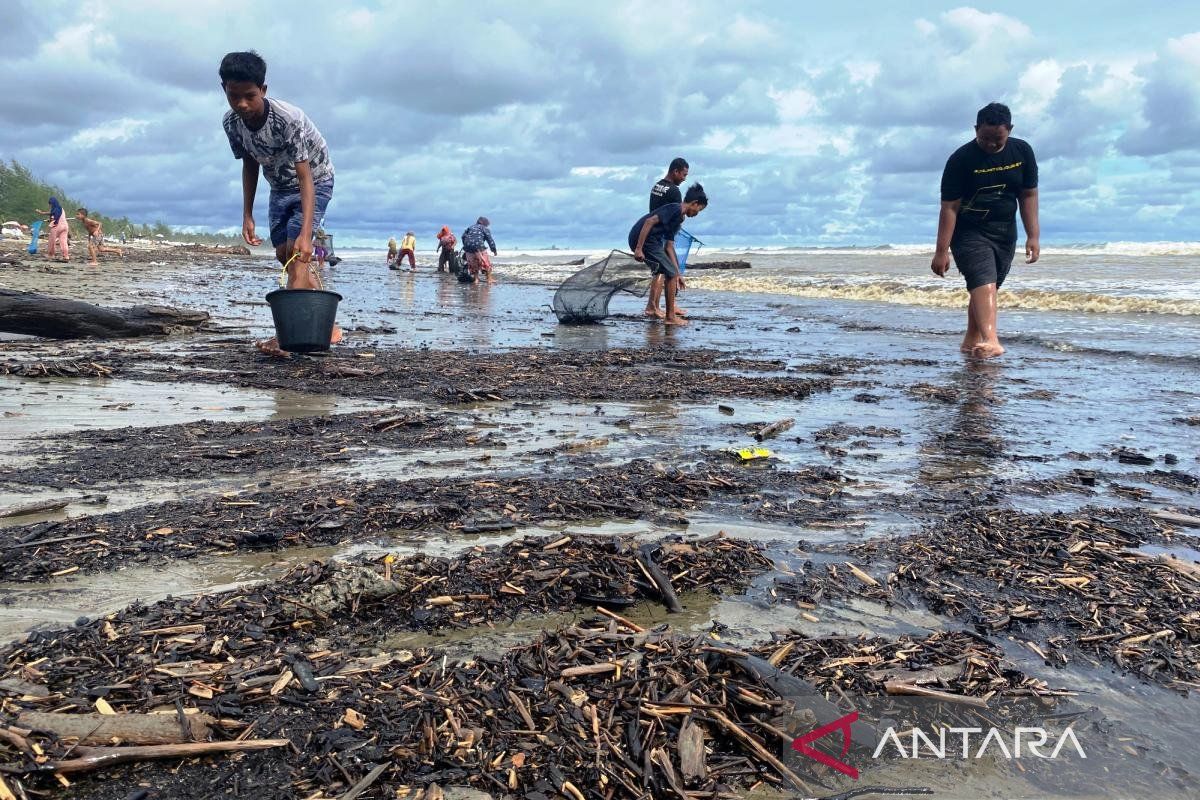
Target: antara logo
{"x":990,"y":740}
{"x":975,"y":743}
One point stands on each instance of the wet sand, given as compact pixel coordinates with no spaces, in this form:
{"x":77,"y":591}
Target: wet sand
{"x":893,"y":434}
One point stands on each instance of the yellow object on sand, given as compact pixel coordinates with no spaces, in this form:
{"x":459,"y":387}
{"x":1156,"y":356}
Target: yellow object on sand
{"x":752,"y":453}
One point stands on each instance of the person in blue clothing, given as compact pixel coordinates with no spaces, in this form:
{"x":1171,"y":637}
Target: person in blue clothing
{"x":652,"y":239}
{"x":58,"y":231}
{"x":477,"y":240}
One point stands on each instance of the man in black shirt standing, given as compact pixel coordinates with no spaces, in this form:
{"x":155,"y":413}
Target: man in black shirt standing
{"x":661,"y":193}
{"x":984,"y":183}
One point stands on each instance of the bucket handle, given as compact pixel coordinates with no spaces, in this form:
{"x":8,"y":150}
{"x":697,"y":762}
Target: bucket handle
{"x":316,"y":276}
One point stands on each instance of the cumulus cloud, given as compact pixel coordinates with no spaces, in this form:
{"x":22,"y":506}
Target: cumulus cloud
{"x":1170,"y":110}
{"x":554,"y":120}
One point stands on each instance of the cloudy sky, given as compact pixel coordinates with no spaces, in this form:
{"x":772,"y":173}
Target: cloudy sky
{"x":808,"y":123}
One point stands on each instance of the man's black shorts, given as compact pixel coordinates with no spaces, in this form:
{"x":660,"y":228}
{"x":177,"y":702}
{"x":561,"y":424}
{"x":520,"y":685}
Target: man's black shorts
{"x":982,"y":260}
{"x":658,"y":261}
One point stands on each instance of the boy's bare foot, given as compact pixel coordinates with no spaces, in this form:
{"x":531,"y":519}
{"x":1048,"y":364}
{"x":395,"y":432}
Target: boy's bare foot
{"x":674,"y":321}
{"x":271,"y":348}
{"x":337,"y":334}
{"x":93,"y":263}
{"x":654,"y":313}
{"x":987,"y":350}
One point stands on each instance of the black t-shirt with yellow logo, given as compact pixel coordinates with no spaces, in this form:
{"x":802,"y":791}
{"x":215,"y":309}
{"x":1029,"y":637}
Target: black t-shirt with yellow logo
{"x":988,"y":184}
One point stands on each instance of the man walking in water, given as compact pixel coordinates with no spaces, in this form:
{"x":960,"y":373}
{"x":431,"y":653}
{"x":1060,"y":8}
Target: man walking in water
{"x":661,"y":193}
{"x":984,"y":183}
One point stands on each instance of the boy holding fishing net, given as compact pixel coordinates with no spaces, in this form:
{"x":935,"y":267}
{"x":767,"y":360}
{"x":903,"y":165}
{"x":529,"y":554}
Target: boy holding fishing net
{"x":652,"y":239}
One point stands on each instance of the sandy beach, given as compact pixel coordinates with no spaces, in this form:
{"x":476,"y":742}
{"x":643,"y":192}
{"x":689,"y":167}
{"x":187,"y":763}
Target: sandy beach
{"x":993,"y":530}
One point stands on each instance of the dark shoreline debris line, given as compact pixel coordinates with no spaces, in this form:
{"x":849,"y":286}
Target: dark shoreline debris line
{"x":465,"y":376}
{"x":1068,"y":586}
{"x":204,"y":447}
{"x":362,"y":511}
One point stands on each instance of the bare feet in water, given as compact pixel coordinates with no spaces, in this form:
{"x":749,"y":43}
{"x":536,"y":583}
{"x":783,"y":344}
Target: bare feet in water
{"x":676,"y":320}
{"x":987,"y":350}
{"x":654,"y":313}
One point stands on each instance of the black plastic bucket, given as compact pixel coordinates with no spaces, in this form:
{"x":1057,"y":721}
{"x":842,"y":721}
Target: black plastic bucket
{"x":303,"y":318}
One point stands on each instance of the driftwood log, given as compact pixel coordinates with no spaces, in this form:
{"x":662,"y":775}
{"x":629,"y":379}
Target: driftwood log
{"x":92,"y":758}
{"x":659,"y":578}
{"x":58,"y":318}
{"x":719,"y":265}
{"x":36,"y":507}
{"x":774,"y":429}
{"x":101,"y":729}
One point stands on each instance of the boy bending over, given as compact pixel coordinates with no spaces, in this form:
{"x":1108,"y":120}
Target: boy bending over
{"x":95,"y":237}
{"x":295,"y":161}
{"x":652,"y":239}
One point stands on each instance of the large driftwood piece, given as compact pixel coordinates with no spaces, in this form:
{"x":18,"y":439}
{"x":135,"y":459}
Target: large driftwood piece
{"x":58,"y":318}
{"x":100,"y":729}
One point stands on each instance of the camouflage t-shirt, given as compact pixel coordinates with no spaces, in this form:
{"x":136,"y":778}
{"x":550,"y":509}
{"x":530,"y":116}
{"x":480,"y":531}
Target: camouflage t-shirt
{"x":285,"y":139}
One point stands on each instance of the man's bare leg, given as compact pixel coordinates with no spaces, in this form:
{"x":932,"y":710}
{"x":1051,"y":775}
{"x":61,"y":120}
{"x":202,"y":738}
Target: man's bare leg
{"x":672,"y":318}
{"x":971,"y":337}
{"x":982,"y":310}
{"x":656,"y":290}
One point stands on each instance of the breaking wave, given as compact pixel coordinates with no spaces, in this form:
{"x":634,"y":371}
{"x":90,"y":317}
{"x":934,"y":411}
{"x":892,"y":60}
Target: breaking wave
{"x":890,"y":291}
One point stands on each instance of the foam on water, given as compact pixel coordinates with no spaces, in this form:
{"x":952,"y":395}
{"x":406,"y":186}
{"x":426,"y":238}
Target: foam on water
{"x":916,"y":294}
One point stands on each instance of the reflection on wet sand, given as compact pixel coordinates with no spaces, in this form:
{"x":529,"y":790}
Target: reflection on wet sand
{"x":971,"y":446}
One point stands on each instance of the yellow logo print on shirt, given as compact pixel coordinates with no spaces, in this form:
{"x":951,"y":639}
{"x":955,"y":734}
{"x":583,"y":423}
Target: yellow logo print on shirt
{"x":999,"y":169}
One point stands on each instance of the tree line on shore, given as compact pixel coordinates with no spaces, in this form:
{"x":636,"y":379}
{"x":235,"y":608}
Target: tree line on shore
{"x":21,"y":193}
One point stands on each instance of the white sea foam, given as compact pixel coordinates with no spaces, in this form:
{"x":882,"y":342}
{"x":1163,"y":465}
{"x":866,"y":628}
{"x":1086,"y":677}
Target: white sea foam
{"x":918,"y":292}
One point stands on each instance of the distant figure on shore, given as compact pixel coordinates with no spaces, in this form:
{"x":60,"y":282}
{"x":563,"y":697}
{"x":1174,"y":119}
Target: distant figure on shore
{"x":446,"y":244}
{"x":652,"y":239}
{"x":121,"y":235}
{"x":95,"y":238}
{"x":58,"y":231}
{"x":393,"y":249}
{"x":984,"y":183}
{"x":477,"y":240}
{"x":321,"y":247}
{"x":408,"y":247}
{"x":295,"y":161}
{"x":664,"y":192}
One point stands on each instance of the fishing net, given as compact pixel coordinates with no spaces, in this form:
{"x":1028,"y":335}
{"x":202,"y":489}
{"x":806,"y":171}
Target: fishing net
{"x":683,"y":247}
{"x":584,"y":296}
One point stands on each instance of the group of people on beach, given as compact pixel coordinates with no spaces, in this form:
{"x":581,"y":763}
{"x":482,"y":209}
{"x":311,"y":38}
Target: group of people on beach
{"x":983,"y":185}
{"x":476,"y":242}
{"x":58,"y":234}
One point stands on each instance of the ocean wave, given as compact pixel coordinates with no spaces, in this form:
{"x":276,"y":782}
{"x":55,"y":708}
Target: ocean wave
{"x":899,"y":293}
{"x":1064,"y":346}
{"x":1124,"y":249}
